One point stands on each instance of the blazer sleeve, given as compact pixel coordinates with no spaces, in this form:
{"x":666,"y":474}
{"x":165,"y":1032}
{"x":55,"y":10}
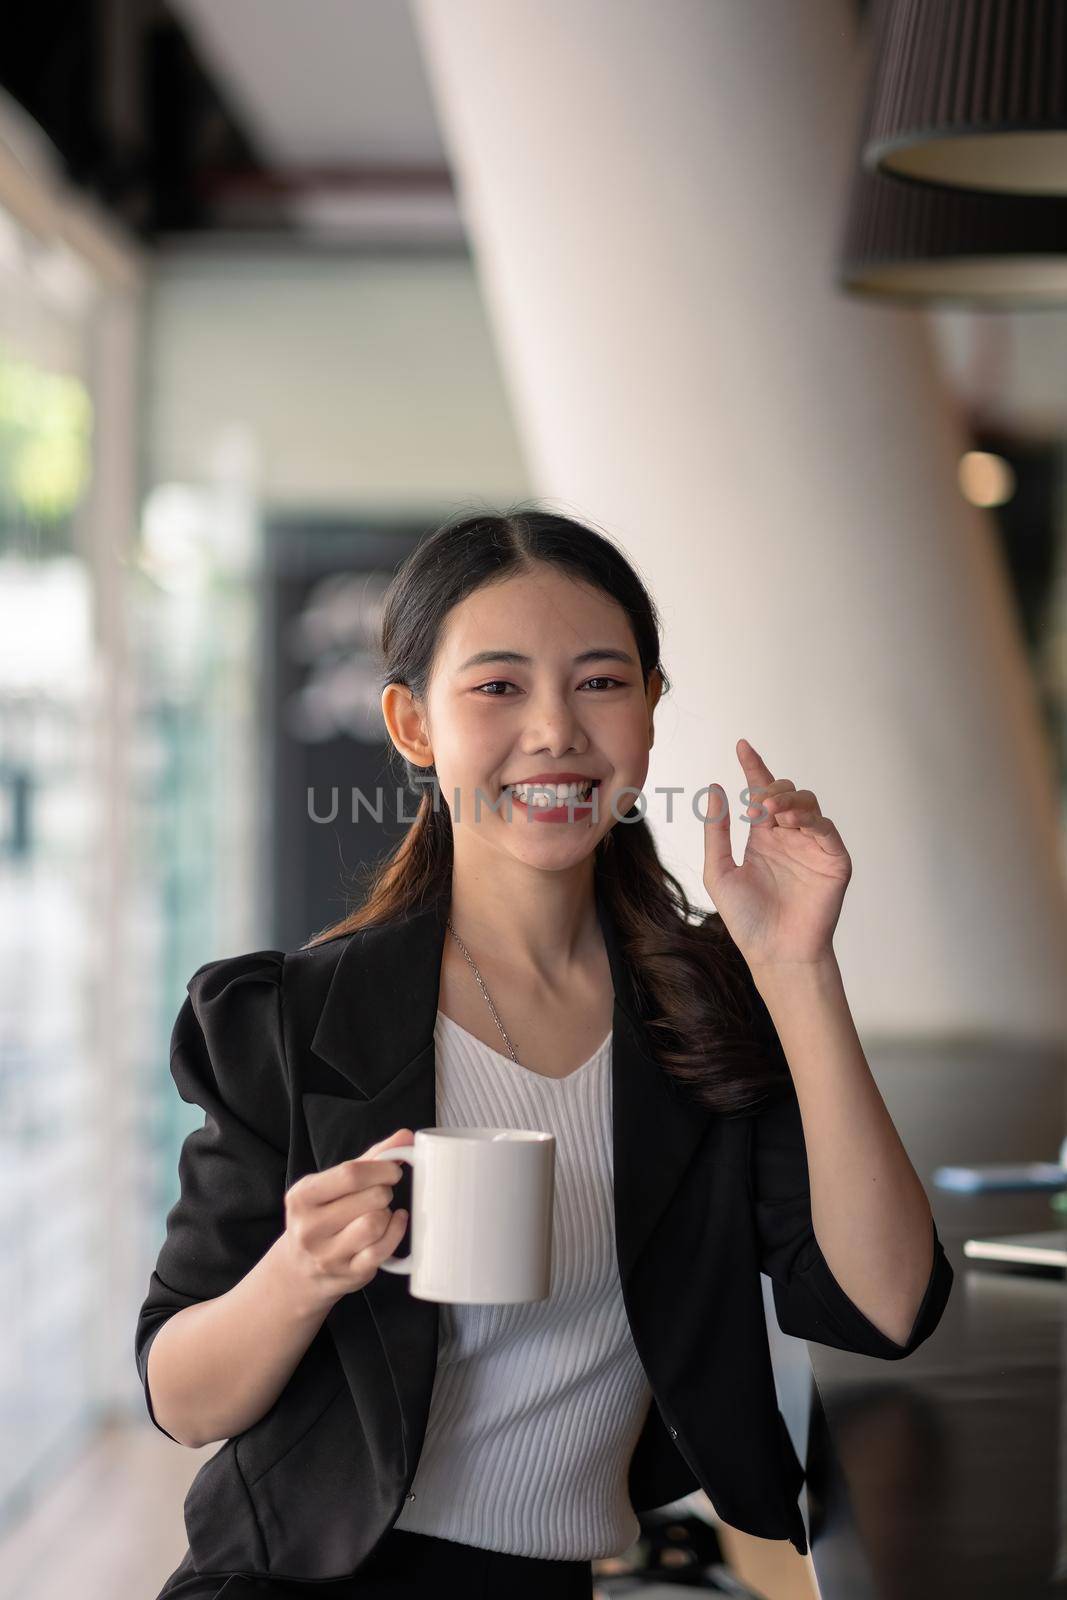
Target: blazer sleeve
{"x":227,"y":1055}
{"x":808,"y":1299}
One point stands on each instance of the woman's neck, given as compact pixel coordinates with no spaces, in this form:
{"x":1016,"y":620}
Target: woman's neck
{"x":536,"y":926}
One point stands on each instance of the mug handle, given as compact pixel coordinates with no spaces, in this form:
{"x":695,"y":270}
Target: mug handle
{"x":398,"y":1263}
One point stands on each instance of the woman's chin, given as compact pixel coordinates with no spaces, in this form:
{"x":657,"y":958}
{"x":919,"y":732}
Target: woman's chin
{"x":549,"y":844}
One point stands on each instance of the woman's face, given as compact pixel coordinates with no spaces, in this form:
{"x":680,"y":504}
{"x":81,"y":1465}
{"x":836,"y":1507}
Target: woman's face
{"x":495,"y":722}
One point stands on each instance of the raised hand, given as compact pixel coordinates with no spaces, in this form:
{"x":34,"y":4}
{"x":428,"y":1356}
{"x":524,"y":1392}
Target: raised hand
{"x":782,"y":904}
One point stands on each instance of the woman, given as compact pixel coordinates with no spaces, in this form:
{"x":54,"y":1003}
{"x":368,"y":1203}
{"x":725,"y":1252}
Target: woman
{"x":523,"y":958}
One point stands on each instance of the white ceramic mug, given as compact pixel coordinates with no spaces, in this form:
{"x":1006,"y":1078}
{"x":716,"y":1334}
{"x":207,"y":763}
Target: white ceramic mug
{"x":481,"y":1214}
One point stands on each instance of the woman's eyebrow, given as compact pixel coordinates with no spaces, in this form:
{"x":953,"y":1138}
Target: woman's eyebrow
{"x":601,"y":653}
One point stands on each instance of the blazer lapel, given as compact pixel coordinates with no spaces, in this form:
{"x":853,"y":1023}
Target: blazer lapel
{"x":376,"y":1029}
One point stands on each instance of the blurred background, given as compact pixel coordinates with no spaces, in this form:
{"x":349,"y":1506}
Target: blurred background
{"x":283,"y":286}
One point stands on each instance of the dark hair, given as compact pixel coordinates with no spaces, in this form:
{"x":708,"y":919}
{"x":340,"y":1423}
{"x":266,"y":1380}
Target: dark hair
{"x":706,"y":1021}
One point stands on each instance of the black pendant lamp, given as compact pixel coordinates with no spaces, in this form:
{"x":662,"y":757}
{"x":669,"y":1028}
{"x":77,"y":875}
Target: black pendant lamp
{"x":971,"y":94}
{"x":921,"y":243}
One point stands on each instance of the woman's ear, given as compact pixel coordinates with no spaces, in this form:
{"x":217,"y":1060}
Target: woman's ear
{"x":405,"y":724}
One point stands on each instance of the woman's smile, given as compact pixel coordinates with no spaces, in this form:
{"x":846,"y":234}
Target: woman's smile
{"x":539,"y":804}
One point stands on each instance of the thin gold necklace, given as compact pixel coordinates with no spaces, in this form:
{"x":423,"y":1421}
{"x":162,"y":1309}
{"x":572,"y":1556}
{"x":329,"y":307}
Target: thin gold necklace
{"x":485,"y":991}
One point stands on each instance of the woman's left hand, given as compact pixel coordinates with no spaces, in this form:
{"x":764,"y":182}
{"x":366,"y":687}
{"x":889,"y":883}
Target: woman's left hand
{"x":781,"y":905}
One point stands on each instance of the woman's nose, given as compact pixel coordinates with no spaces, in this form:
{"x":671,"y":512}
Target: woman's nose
{"x":556,"y":723}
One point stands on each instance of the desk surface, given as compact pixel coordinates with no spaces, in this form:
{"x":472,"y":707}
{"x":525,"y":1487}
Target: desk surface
{"x":945,"y":1474}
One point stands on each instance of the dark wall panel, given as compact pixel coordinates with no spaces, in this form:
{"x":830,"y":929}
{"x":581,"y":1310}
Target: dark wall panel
{"x":324,"y":587}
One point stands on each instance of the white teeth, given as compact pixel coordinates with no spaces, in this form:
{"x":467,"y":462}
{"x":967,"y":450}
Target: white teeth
{"x":545,"y":796}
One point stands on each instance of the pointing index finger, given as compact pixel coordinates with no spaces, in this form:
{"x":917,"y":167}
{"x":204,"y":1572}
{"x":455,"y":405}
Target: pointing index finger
{"x":753,"y":763}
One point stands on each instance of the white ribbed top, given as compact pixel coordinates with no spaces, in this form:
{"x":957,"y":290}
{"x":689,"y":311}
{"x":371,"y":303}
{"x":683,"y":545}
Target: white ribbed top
{"x":536,"y":1408}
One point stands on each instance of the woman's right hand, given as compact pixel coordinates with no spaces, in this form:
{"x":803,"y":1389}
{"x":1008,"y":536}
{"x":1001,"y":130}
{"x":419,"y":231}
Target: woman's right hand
{"x":339,"y":1225}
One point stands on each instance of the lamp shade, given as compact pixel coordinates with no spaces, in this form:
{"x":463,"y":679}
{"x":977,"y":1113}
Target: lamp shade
{"x":926,"y":243}
{"x":971,"y":93}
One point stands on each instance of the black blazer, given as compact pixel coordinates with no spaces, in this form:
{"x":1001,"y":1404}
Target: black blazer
{"x":303,"y":1059}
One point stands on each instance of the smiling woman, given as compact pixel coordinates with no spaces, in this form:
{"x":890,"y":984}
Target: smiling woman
{"x":402,"y":1441}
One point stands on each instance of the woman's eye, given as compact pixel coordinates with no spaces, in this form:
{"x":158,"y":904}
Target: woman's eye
{"x":613,"y":683}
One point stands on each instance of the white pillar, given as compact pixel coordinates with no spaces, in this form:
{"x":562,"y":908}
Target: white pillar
{"x":654,"y":194}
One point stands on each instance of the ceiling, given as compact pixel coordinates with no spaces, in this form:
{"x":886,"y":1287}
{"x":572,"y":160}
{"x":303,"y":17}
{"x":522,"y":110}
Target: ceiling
{"x":334,"y":97}
{"x":335,"y":101}
{"x":338,"y":81}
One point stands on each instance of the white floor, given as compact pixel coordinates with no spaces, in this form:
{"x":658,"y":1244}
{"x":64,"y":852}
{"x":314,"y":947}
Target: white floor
{"x":110,"y":1528}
